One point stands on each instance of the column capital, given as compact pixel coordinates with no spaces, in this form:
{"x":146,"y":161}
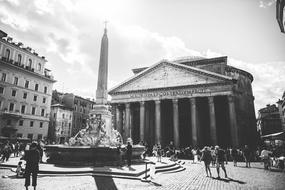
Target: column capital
{"x":175,"y":101}
{"x":193,"y":101}
{"x":230,"y":98}
{"x":211,"y":99}
{"x":127,"y":105}
{"x":157,"y":101}
{"x":142,"y":103}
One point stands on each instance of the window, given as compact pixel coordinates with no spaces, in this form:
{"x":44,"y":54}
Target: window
{"x":39,"y":67}
{"x":0,"y":104}
{"x":63,"y":115}
{"x":44,"y":100}
{"x":23,"y":109}
{"x":35,"y":98}
{"x":19,"y":58}
{"x":45,"y":89}
{"x":30,"y":63}
{"x":41,"y":124}
{"x":43,"y":112}
{"x":14,"y":92}
{"x":9,"y":122}
{"x":30,"y":136}
{"x":36,"y":87}
{"x":1,"y":90}
{"x":3,"y":78}
{"x":27,"y":84}
{"x":16,"y":79}
{"x":19,"y":135}
{"x":33,"y":110}
{"x":7,"y":54}
{"x":54,"y":115}
{"x":31,"y":123}
{"x":40,"y":136}
{"x":11,"y":107}
{"x":25,"y":95}
{"x":21,"y":122}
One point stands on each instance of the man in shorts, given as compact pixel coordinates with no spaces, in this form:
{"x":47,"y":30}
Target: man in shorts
{"x":220,"y":160}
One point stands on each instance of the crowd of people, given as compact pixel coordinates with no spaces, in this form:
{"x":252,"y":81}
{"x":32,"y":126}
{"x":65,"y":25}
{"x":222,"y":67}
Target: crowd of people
{"x":30,"y":153}
{"x":212,"y":155}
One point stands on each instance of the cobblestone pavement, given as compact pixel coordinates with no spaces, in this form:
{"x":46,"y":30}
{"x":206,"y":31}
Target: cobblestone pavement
{"x":192,"y":178}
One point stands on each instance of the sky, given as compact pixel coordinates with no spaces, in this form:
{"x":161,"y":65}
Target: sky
{"x":143,"y":32}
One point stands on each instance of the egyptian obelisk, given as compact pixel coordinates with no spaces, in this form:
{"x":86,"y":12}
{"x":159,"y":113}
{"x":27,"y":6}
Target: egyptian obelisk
{"x":101,"y":92}
{"x":101,"y":108}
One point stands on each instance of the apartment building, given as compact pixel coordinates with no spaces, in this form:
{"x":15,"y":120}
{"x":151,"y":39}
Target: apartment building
{"x":25,"y":91}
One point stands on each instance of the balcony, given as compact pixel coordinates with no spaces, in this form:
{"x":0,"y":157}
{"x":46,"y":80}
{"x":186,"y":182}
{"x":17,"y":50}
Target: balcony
{"x":9,"y":114}
{"x":28,"y":68}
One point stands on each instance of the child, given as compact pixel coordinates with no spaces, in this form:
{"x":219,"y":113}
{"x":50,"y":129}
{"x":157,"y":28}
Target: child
{"x":19,"y":170}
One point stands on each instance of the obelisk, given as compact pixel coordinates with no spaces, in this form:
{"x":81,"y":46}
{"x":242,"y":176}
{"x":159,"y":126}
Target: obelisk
{"x":101,"y":92}
{"x":101,"y":108}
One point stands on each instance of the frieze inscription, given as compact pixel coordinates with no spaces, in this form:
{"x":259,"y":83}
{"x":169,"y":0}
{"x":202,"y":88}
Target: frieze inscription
{"x":169,"y":93}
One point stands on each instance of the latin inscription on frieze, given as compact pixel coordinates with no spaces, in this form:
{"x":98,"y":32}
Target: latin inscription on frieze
{"x":169,"y":93}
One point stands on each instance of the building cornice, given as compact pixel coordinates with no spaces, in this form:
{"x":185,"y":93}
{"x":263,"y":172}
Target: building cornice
{"x":24,"y":50}
{"x":27,"y":71}
{"x":234,"y":69}
{"x":173,"y":88}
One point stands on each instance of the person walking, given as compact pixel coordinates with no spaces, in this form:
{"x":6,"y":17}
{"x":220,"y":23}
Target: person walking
{"x":7,"y":150}
{"x":32,"y":158}
{"x":17,"y":149}
{"x":234,"y":154}
{"x":220,"y":161}
{"x":129,"y":153}
{"x":207,"y":158}
{"x":265,"y":157}
{"x":246,"y":156}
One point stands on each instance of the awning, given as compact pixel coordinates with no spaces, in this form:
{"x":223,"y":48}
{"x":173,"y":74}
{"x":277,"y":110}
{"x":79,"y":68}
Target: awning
{"x":275,"y":136}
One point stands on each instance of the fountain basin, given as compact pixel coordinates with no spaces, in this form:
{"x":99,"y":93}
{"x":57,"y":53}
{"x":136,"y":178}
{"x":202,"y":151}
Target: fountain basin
{"x":88,"y":155}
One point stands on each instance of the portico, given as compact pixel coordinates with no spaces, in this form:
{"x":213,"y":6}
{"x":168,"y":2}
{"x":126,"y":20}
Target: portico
{"x":174,"y":102}
{"x":186,"y":120}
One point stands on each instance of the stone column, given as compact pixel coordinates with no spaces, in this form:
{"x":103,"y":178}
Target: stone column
{"x":14,"y":55}
{"x":213,"y":129}
{"x":194,"y":121}
{"x":1,"y":50}
{"x":127,"y":125}
{"x":117,"y":123}
{"x":157,"y":122}
{"x":175,"y":122}
{"x":142,"y":120}
{"x":233,"y":121}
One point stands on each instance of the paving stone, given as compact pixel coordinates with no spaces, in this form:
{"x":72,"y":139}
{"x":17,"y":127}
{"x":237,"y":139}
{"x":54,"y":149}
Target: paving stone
{"x":193,"y":177}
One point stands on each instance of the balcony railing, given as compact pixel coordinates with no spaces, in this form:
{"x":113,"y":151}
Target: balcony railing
{"x":6,"y":113}
{"x":10,"y":61}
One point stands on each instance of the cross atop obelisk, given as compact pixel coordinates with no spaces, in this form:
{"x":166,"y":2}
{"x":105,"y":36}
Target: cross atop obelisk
{"x":101,"y":92}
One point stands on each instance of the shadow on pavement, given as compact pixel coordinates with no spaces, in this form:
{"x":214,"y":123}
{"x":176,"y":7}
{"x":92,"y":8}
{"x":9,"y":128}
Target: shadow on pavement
{"x":227,"y":180}
{"x":154,"y":183}
{"x":131,"y":168}
{"x":103,"y":183}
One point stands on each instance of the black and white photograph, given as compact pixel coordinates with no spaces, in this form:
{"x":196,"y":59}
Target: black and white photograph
{"x":142,"y":94}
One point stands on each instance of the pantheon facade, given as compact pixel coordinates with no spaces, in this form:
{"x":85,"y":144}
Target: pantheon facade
{"x":192,"y":101}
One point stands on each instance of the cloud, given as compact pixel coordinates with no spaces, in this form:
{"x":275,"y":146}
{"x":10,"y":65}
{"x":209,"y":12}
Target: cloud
{"x":266,"y":3}
{"x":69,"y":32}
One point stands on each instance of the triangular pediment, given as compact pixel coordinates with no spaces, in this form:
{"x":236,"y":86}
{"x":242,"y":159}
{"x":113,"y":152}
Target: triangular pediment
{"x":168,"y":74}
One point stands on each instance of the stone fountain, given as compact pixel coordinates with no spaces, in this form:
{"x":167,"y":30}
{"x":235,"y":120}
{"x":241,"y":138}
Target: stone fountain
{"x":97,"y":143}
